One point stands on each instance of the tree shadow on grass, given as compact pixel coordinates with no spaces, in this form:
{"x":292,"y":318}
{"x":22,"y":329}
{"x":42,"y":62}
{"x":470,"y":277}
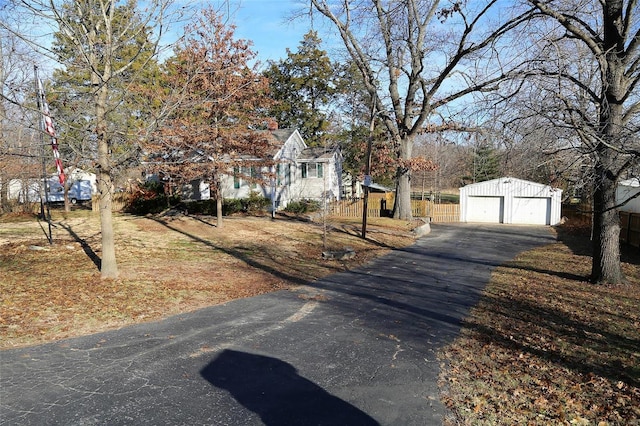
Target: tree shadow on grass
{"x":552,"y":325}
{"x":199,"y":219}
{"x":560,"y":274}
{"x":275,"y":391}
{"x":85,"y":246}
{"x":578,"y":239}
{"x":346,"y":229}
{"x":449,"y":257}
{"x":240,"y":253}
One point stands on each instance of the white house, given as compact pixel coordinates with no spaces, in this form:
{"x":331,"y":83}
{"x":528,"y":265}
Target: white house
{"x":81,"y":184}
{"x":625,"y":191}
{"x":510,"y":200}
{"x":300,"y":173}
{"x":24,"y":190}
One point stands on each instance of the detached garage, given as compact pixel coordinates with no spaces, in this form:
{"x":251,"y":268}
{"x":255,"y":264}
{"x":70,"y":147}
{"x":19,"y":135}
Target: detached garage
{"x":510,"y":200}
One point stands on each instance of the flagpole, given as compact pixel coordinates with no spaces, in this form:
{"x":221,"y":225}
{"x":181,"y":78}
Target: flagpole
{"x":43,"y":200}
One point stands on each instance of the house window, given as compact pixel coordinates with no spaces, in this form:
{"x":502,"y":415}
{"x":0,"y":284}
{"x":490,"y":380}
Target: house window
{"x":245,"y":176}
{"x":283,"y":173}
{"x":249,"y":174}
{"x":312,"y":170}
{"x":253,"y":172}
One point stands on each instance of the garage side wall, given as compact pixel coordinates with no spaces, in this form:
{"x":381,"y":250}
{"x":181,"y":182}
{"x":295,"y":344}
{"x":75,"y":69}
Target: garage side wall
{"x":625,"y":194}
{"x":511,"y":195}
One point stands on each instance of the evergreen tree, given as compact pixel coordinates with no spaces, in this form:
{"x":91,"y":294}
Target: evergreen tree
{"x":105,"y":48}
{"x":128,"y":109}
{"x":486,"y":163}
{"x":304,"y":85}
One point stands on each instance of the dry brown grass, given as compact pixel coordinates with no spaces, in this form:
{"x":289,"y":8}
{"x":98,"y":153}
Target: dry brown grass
{"x":544,"y":346}
{"x":167,"y":265}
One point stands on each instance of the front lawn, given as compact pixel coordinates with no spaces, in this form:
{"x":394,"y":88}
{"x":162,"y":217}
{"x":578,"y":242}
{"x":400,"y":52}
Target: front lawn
{"x":545,"y":347}
{"x":168,"y":265}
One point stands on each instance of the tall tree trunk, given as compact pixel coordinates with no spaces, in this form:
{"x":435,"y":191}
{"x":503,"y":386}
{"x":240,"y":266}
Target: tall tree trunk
{"x":606,"y":268}
{"x":109,"y":266}
{"x":67,"y":204}
{"x":402,"y":206}
{"x":4,"y":202}
{"x":4,"y":181}
{"x":218,"y":212}
{"x":218,"y":193}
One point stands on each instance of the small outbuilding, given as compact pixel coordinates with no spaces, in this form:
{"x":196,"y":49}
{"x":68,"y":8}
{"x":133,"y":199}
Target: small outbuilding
{"x":510,"y":200}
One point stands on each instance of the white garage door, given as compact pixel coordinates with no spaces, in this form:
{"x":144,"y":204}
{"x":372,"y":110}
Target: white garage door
{"x":485,"y":209}
{"x":531,"y":211}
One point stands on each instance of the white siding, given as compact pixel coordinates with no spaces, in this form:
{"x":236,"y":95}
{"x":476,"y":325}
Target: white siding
{"x":318,"y":188}
{"x":291,"y":185}
{"x":531,"y":210}
{"x":291,"y":148}
{"x":245,"y":187}
{"x":485,"y":209}
{"x":196,"y":190}
{"x":627,"y":189}
{"x":523,"y":202}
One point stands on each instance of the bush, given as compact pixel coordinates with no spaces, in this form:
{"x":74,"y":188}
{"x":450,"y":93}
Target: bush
{"x":205,"y":207}
{"x":149,"y":198}
{"x":256,"y":203}
{"x":142,"y":206}
{"x":302,"y":206}
{"x":231,"y":206}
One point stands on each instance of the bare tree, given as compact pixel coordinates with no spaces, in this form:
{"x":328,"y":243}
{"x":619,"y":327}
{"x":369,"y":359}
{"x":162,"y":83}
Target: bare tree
{"x":429,"y":55}
{"x":20,"y":150}
{"x":101,"y":33}
{"x":588,"y":75}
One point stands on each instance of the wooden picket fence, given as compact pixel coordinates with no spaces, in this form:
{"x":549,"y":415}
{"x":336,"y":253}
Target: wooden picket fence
{"x":444,"y":213}
{"x":354,"y":208}
{"x":439,"y":213}
{"x":630,"y":228}
{"x":118,"y":202}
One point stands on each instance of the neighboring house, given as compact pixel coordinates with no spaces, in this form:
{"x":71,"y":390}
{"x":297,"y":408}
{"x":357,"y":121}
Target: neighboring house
{"x":351,"y":187}
{"x":625,"y":191}
{"x":510,"y":200}
{"x":24,"y":190}
{"x":299,"y":173}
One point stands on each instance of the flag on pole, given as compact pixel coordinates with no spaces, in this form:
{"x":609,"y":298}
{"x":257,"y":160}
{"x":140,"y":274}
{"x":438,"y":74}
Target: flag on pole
{"x":50,"y":129}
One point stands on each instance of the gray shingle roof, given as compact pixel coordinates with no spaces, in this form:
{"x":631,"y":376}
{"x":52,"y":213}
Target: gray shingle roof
{"x":282,"y":135}
{"x":316,"y":153}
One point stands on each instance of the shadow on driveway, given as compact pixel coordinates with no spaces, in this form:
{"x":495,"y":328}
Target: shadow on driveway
{"x":275,"y":391}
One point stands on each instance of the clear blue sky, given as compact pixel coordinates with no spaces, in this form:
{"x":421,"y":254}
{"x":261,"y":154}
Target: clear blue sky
{"x":266,"y":23}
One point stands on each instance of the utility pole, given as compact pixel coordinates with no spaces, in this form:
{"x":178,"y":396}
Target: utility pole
{"x":44,"y":194}
{"x":367,"y":172}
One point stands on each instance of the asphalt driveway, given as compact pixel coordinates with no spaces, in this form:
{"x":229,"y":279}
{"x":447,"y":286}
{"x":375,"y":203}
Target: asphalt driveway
{"x":356,"y":348}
